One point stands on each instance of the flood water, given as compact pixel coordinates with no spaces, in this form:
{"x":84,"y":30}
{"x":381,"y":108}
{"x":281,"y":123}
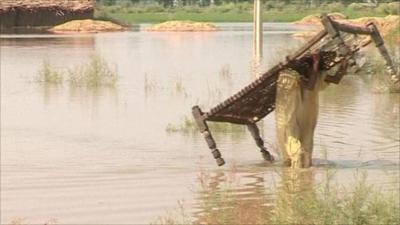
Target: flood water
{"x":104,"y":155}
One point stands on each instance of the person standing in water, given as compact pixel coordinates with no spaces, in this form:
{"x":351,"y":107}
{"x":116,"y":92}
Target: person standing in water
{"x":297,"y":103}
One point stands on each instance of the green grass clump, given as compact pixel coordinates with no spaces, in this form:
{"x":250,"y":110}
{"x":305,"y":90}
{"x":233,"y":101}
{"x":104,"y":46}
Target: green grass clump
{"x":297,"y":200}
{"x":360,"y":205}
{"x":95,"y":73}
{"x":49,"y":75}
{"x":188,"y":125}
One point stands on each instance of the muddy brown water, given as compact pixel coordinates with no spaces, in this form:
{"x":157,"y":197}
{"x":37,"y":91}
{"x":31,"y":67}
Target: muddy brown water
{"x":103,"y":155}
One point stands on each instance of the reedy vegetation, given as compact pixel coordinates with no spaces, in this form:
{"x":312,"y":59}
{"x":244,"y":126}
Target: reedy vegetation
{"x":48,"y":74}
{"x":95,"y":73}
{"x":294,"y":202}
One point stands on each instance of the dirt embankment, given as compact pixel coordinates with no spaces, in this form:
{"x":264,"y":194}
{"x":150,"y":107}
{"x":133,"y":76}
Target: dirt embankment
{"x":87,"y":26}
{"x":316,"y":20}
{"x":183,"y":26}
{"x":386,"y":25}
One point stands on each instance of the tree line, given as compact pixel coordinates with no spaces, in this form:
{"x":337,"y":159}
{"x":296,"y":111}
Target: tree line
{"x":175,"y":3}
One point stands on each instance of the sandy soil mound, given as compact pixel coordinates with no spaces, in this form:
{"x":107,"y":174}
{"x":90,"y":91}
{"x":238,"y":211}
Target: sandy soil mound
{"x":315,"y":20}
{"x":87,"y":26}
{"x":386,"y":25}
{"x":182,"y":26}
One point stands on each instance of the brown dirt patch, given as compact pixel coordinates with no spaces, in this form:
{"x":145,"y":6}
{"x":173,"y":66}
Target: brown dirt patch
{"x":386,"y":25}
{"x":87,"y":26}
{"x":183,"y":26}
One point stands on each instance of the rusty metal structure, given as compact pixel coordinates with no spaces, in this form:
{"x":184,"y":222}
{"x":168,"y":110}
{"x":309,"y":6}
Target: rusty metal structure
{"x":257,"y":100}
{"x":27,"y":13}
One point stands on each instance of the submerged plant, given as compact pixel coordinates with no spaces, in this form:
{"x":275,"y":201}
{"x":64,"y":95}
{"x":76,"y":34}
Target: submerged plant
{"x":49,"y":75}
{"x":225,"y":72}
{"x":297,"y":200}
{"x":188,"y":125}
{"x":149,"y":84}
{"x":179,"y":87}
{"x":95,"y":73}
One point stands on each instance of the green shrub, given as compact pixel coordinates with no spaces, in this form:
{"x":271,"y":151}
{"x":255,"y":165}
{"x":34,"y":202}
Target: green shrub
{"x":389,"y":8}
{"x":192,"y":9}
{"x":224,"y":8}
{"x":279,"y":5}
{"x":154,"y":8}
{"x":269,"y":5}
{"x":394,"y":8}
{"x":361,"y":6}
{"x":244,"y":7}
{"x":125,"y":4}
{"x":333,"y":7}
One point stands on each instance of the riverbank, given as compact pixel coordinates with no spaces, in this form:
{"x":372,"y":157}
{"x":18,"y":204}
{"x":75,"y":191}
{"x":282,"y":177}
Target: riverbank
{"x":241,"y":12}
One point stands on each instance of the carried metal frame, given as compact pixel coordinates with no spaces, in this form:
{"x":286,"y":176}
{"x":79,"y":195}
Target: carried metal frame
{"x":257,"y":100}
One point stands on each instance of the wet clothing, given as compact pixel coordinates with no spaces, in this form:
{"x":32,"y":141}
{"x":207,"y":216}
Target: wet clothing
{"x":296,"y":116}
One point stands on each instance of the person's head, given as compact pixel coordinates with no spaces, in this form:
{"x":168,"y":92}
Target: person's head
{"x":306,"y":63}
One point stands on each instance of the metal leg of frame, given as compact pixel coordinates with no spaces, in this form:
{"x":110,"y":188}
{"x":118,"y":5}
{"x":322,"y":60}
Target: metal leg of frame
{"x":202,"y":125}
{"x":255,"y":133}
{"x":379,"y":43}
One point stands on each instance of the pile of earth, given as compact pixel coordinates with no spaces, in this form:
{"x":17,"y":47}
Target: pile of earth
{"x":87,"y":26}
{"x":183,"y":26}
{"x":386,"y":25}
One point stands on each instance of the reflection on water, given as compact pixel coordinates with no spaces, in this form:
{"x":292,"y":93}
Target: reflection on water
{"x":305,"y":196}
{"x":104,"y":156}
{"x":225,"y":195}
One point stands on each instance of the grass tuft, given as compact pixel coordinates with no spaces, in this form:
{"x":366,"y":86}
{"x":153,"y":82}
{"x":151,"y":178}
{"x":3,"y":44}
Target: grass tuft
{"x":297,"y":200}
{"x":49,"y":75}
{"x":95,"y":73}
{"x":188,"y":125}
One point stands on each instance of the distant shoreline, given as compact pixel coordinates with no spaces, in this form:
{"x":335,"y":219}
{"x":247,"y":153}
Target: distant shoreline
{"x":230,"y":13}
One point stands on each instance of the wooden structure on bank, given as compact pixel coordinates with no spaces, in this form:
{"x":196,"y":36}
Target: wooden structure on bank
{"x":27,"y":13}
{"x":257,"y":100}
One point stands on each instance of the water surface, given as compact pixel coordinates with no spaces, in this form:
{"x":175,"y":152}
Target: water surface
{"x":104,"y":156}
